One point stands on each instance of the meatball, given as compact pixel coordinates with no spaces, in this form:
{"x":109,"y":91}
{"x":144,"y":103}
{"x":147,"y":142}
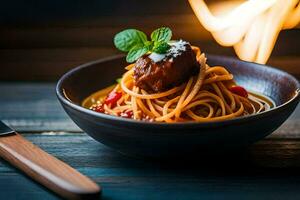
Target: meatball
{"x":177,"y":66}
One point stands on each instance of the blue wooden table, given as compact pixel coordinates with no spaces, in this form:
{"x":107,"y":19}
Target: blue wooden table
{"x":270,"y":169}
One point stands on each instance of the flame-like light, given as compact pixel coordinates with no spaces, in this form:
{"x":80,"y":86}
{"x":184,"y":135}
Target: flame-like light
{"x":251,"y":27}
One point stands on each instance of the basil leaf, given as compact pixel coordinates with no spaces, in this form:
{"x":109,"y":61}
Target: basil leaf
{"x":163,"y":34}
{"x":161,"y":47}
{"x":136,"y":52}
{"x":149,"y":44}
{"x":118,"y":80}
{"x":127,"y":39}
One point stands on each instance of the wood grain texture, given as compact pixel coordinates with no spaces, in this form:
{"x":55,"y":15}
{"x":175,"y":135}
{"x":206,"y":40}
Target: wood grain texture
{"x":46,"y":169}
{"x":39,"y":106}
{"x":41,"y":111}
{"x":269,"y":170}
{"x":45,"y":62}
{"x":42,"y":41}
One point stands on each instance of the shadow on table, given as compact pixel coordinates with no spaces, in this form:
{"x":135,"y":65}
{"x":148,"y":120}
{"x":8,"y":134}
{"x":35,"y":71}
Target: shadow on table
{"x":258,"y":158}
{"x":255,"y":173}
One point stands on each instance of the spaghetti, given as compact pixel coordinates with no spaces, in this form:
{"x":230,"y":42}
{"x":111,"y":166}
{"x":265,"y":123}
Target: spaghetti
{"x":211,"y":95}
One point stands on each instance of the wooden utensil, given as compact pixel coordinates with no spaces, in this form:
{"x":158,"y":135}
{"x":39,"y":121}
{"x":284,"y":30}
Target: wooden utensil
{"x":44,"y":168}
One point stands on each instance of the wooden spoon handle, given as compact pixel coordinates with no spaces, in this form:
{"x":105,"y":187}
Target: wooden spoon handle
{"x":46,"y":169}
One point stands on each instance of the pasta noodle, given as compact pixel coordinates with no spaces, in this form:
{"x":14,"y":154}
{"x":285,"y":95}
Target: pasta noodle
{"x":205,"y":97}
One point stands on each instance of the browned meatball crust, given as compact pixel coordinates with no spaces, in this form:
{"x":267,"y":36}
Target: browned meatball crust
{"x":172,"y":71}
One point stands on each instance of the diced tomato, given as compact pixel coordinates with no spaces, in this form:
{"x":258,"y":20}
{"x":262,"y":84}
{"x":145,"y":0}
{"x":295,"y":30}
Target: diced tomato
{"x":112,"y":98}
{"x":98,"y":108}
{"x":239,"y":91}
{"x":127,"y":114}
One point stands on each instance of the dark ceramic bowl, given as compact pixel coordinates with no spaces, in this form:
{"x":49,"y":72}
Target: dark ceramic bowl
{"x":154,"y":139}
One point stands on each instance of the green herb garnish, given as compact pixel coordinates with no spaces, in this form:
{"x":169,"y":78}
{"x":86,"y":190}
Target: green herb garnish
{"x":163,"y":34}
{"x":135,"y":42}
{"x":118,"y":80}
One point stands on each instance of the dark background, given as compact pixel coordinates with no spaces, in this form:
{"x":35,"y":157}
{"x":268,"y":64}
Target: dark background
{"x":40,"y":40}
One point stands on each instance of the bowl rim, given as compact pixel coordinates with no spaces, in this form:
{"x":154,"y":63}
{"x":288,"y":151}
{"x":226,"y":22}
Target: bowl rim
{"x":64,"y":100}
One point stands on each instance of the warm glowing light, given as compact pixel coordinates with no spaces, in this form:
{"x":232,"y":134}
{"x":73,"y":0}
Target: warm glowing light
{"x":251,"y":27}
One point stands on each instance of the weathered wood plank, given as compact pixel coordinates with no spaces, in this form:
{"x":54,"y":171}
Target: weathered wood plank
{"x":50,"y":64}
{"x":82,"y":151}
{"x":254,"y":174}
{"x":58,"y":11}
{"x":97,"y":32}
{"x":260,"y":173}
{"x":42,"y":41}
{"x":101,"y":36}
{"x":290,"y":64}
{"x":34,"y":107}
{"x":40,"y":64}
